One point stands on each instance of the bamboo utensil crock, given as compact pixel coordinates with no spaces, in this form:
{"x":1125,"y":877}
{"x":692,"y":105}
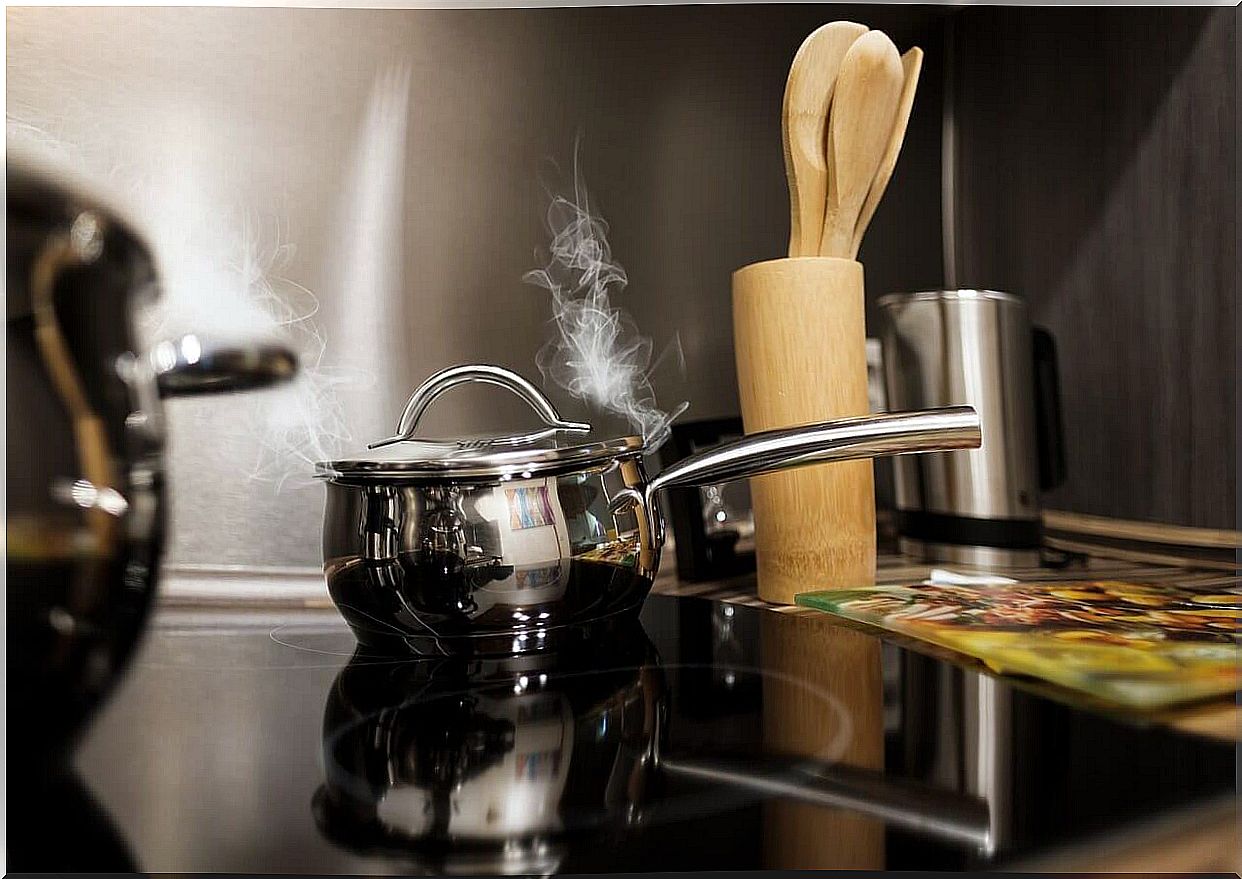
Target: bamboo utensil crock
{"x":799,"y":332}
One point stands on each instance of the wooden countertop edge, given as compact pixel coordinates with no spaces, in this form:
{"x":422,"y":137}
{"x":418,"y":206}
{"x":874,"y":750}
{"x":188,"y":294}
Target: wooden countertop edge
{"x":1136,"y":555}
{"x":1199,"y":839}
{"x":1145,"y":532}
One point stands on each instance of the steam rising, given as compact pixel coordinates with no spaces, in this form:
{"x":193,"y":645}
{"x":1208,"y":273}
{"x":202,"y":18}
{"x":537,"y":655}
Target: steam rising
{"x":222,"y":267}
{"x":596,"y":352}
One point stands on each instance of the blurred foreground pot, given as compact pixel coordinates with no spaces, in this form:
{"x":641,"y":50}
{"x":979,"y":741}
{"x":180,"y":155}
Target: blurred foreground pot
{"x":85,"y":495}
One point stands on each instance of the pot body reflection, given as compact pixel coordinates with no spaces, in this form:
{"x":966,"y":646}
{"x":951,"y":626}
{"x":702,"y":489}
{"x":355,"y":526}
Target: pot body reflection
{"x":484,"y":762}
{"x":500,"y":565}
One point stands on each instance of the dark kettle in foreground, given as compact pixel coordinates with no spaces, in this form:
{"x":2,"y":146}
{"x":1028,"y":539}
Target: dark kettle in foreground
{"x":85,"y":442}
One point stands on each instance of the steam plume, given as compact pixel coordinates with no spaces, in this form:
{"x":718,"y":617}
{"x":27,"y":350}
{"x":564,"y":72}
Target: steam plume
{"x":596,"y":352}
{"x":223,"y":267}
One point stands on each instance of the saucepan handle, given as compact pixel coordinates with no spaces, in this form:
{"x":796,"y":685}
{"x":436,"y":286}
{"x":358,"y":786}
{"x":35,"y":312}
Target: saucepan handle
{"x":871,"y":436}
{"x":188,"y":366}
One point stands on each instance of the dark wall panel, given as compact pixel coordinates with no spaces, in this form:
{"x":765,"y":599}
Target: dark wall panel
{"x":1096,"y":176}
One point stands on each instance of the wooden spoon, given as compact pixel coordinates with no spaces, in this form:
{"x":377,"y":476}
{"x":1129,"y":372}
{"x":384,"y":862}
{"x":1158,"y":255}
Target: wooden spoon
{"x":911,"y":63}
{"x":804,"y":123}
{"x":864,"y":107}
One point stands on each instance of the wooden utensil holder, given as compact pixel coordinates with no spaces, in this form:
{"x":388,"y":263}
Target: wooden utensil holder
{"x":800,"y":342}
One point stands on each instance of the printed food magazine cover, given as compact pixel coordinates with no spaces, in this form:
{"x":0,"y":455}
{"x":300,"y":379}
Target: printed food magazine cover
{"x":1135,"y":644}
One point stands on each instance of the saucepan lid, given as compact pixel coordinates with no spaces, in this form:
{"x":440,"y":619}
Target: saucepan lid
{"x":519,"y":455}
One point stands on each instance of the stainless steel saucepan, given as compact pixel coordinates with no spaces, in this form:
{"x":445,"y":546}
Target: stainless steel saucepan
{"x":502,"y":543}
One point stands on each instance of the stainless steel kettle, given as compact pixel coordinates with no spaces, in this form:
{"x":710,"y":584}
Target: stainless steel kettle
{"x":85,"y":442}
{"x":977,"y":348}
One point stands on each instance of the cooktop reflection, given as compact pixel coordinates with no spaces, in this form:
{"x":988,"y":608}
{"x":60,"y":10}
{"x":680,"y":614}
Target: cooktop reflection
{"x":708,"y":736}
{"x":492,"y":765}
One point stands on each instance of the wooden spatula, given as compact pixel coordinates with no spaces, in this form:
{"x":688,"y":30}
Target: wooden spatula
{"x":911,"y":64}
{"x":864,"y":107}
{"x":804,"y":121}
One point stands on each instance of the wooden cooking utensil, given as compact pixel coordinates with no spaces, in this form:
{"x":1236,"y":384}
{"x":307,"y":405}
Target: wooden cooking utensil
{"x":804,"y":121}
{"x":798,"y":323}
{"x":864,"y":107}
{"x":911,"y":63}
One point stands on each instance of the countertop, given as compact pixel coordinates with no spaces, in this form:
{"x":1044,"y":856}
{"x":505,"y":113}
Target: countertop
{"x":1178,"y":562}
{"x":253,"y":740}
{"x":1220,"y":718}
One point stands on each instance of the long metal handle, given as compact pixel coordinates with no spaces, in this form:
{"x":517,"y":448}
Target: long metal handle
{"x":447,"y":379}
{"x":871,"y":436}
{"x":189,"y":366}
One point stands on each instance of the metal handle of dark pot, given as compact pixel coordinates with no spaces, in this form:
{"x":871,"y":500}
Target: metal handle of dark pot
{"x":189,"y":366}
{"x":74,"y":242}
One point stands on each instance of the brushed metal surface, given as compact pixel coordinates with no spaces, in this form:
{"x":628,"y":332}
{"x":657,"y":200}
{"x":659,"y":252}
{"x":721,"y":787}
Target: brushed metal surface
{"x":966,"y":347}
{"x":256,"y":113}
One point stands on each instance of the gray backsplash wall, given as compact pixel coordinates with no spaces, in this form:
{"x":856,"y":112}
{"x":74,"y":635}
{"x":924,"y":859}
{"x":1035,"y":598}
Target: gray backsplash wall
{"x":678,"y":111}
{"x":1096,"y":176}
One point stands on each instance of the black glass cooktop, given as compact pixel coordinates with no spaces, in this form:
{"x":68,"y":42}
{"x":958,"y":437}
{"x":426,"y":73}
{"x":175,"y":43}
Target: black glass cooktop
{"x":706,"y":736}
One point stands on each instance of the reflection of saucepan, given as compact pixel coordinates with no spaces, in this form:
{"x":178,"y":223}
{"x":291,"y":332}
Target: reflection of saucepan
{"x":587,"y":509}
{"x":485,"y":765}
{"x":496,"y":765}
{"x":86,"y":436}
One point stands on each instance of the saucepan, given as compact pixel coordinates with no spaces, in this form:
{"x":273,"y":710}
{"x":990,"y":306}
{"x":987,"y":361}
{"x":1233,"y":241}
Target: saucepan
{"x":503,"y":543}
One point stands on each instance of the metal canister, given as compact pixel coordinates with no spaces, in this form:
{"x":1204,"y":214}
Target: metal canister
{"x":977,"y":348}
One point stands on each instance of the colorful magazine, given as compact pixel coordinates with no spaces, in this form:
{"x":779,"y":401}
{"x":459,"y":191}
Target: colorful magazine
{"x":1140,"y":645}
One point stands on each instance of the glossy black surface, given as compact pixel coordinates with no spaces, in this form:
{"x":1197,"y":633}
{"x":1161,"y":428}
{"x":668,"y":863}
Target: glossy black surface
{"x":711,"y":736}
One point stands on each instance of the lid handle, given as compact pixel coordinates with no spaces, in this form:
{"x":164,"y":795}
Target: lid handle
{"x":484,"y":373}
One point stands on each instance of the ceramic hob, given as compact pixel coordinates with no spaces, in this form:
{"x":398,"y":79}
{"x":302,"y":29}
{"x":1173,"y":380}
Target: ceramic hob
{"x":703,"y":736}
